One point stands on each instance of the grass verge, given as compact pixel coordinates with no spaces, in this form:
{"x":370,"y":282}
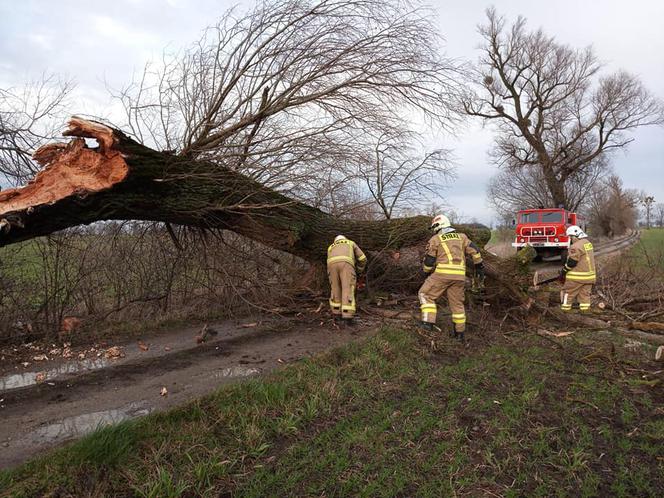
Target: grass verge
{"x":387,"y":417}
{"x":649,"y":251}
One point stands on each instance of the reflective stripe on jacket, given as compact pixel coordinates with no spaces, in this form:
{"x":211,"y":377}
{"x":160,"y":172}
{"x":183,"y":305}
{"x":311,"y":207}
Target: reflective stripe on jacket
{"x":584,"y":271}
{"x":449,"y":251}
{"x":347,"y":251}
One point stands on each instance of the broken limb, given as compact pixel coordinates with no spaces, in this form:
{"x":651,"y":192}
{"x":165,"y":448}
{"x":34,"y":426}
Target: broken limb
{"x":594,"y":323}
{"x":121,"y":179}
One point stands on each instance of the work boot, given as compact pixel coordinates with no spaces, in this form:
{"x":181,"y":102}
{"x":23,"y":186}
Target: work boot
{"x":348,"y":322}
{"x":453,"y":333}
{"x":427,"y":326}
{"x":461,"y":336}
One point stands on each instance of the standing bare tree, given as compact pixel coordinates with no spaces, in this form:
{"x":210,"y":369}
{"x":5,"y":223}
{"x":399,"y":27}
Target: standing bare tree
{"x":397,"y":178}
{"x":551,"y":108}
{"x":659,"y":215}
{"x":510,"y":190}
{"x":30,"y":116}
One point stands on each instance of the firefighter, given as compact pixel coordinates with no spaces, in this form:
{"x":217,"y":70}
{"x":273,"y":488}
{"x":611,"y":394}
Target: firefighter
{"x":344,"y":257}
{"x":445,"y":263}
{"x":578,"y":274}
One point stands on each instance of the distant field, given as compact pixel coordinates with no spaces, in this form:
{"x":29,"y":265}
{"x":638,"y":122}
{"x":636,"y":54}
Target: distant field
{"x":650,"y":249}
{"x":22,"y":260}
{"x":494,"y":237}
{"x":501,"y":242}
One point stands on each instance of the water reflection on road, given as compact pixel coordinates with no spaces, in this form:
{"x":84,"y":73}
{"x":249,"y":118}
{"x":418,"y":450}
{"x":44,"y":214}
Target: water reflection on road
{"x":15,"y":381}
{"x":237,"y":372}
{"x":80,"y":425}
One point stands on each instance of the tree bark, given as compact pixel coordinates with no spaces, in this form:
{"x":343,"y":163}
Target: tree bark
{"x":124,"y":180}
{"x":556,"y":187}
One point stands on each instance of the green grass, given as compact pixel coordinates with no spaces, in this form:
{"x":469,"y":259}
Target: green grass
{"x":387,"y":417}
{"x":22,"y":261}
{"x":499,"y":235}
{"x":649,"y":251}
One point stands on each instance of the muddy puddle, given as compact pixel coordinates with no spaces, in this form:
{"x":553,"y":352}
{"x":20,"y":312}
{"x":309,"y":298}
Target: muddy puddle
{"x":71,"y":399}
{"x":16,"y":381}
{"x":80,"y":425}
{"x":236,"y":372}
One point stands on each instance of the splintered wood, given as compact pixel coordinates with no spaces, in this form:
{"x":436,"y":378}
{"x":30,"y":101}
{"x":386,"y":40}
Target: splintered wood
{"x":69,"y":169}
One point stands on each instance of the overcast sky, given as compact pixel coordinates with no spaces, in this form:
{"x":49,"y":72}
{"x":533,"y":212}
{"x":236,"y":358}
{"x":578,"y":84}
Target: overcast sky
{"x":107,"y":46}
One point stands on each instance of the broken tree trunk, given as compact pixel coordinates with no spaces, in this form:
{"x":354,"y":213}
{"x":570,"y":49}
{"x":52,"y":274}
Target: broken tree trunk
{"x":121,"y":179}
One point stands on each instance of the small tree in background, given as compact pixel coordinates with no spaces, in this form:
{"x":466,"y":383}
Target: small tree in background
{"x":647,"y":201}
{"x":398,"y":177}
{"x":612,"y":210}
{"x":659,"y":215}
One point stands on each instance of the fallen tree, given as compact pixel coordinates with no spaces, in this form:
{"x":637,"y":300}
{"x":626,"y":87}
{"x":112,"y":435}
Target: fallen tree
{"x":277,"y":104}
{"x":120,"y":179}
{"x":283,"y":103}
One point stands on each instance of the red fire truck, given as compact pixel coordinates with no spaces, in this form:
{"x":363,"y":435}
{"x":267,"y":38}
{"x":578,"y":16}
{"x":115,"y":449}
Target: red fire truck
{"x":544,"y":230}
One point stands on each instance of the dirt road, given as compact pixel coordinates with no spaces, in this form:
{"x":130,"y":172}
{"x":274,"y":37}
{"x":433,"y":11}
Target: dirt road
{"x":73,"y":397}
{"x":604,"y":248}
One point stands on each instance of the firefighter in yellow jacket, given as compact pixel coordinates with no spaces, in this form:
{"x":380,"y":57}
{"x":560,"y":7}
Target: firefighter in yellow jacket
{"x":578,"y":274}
{"x":445,"y":261}
{"x":344,"y":257}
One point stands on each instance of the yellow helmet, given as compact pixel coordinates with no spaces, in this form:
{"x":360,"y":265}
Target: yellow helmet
{"x":440,"y":222}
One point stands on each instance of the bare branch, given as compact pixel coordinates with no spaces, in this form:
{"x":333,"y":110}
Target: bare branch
{"x":30,"y":116}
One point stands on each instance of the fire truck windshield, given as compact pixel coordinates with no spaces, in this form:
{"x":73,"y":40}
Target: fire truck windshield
{"x":552,"y":217}
{"x":528,"y":217}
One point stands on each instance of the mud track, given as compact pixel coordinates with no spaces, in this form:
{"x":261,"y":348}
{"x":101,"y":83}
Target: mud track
{"x":78,"y":397}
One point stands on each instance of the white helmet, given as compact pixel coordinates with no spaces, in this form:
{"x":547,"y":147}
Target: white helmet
{"x":441,"y":222}
{"x":575,"y":231}
{"x":339,"y":237}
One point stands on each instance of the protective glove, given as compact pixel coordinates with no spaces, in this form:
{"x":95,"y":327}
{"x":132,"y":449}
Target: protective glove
{"x":562,"y":276}
{"x":479,"y":272}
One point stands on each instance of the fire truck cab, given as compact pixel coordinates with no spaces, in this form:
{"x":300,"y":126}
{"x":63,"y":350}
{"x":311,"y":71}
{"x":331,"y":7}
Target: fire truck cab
{"x":544,"y":230}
